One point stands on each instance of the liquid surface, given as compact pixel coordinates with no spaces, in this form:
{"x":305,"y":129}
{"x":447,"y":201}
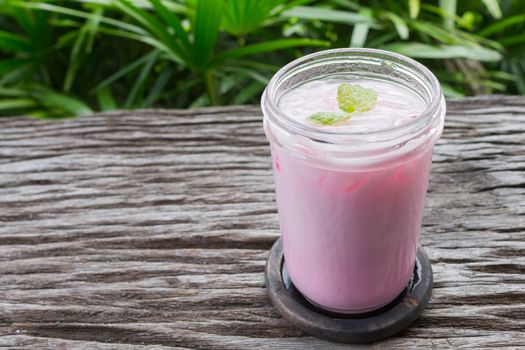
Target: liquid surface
{"x":395,"y":105}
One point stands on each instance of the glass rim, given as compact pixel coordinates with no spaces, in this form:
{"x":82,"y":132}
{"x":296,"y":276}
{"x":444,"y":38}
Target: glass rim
{"x":424,"y":118}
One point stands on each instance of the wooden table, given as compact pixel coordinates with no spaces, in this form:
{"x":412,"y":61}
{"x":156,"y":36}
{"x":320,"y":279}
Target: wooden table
{"x":150,"y":229}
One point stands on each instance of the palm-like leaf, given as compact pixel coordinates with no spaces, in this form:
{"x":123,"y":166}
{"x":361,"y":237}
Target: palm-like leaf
{"x":245,"y":16}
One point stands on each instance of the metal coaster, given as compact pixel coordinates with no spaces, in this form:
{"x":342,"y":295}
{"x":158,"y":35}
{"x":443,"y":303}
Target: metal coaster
{"x":343,"y":328}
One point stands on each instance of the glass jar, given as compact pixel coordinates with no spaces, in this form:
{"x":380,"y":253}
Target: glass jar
{"x":351,"y":203}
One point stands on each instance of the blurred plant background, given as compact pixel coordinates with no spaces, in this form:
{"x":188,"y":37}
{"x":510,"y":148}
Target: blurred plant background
{"x":72,"y":58}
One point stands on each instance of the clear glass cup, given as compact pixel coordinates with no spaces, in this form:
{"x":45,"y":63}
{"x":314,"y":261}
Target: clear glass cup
{"x":351,"y":204}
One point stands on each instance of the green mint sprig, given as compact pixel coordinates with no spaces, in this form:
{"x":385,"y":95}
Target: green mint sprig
{"x":351,"y":99}
{"x":329,"y":118}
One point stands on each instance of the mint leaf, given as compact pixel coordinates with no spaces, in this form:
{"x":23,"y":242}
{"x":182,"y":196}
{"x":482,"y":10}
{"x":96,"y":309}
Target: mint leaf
{"x":355,"y":98}
{"x":329,"y":118}
{"x":351,"y":98}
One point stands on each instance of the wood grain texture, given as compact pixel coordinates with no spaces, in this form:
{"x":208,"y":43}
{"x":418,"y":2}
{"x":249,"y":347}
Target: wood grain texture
{"x":150,"y":229}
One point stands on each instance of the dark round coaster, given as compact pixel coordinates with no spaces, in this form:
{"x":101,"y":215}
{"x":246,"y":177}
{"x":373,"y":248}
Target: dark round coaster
{"x":343,"y":328}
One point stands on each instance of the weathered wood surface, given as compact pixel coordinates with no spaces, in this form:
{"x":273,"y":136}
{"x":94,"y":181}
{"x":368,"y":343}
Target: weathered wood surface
{"x":150,"y":229}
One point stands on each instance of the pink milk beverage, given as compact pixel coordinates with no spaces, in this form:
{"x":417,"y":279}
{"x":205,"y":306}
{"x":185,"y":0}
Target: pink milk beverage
{"x":350,"y":192}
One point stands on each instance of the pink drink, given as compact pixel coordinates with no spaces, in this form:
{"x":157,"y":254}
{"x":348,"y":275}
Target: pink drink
{"x":350,"y":214}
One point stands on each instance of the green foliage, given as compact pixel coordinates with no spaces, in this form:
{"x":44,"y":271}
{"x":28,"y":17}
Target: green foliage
{"x":245,"y":16}
{"x":63,"y":58}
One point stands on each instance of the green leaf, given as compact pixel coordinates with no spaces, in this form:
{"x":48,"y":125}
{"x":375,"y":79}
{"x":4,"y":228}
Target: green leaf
{"x":147,"y":40}
{"x":15,"y":43}
{"x":501,"y":75}
{"x":153,"y":26}
{"x":436,"y":32}
{"x":413,"y":8}
{"x":519,"y":73}
{"x":248,"y":93}
{"x":126,"y":70}
{"x":140,"y":81}
{"x":493,"y":85}
{"x":18,"y":73}
{"x":329,"y":118}
{"x":12,"y":92}
{"x":76,"y":13}
{"x":442,"y":13}
{"x":145,"y":4}
{"x":493,"y":8}
{"x":212,"y":87}
{"x":382,"y":39}
{"x":254,"y":75}
{"x":472,"y":39}
{"x":419,"y":50}
{"x":92,"y":28}
{"x":105,"y":99}
{"x":207,"y":22}
{"x":9,"y":65}
{"x":255,"y":65}
{"x":513,"y":40}
{"x":360,"y":31}
{"x":145,"y":19}
{"x":173,"y":21}
{"x":244,"y":16}
{"x":355,"y":98}
{"x":35,"y":24}
{"x":74,"y":59}
{"x":200,"y":101}
{"x":346,"y":4}
{"x":267,"y":46}
{"x":324,"y":14}
{"x":16,"y":103}
{"x":53,"y":99}
{"x":450,"y":92}
{"x":449,"y":7}
{"x":26,"y":20}
{"x":500,"y":26}
{"x":229,"y":83}
{"x":467,"y":21}
{"x":158,"y":87}
{"x":399,"y":24}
